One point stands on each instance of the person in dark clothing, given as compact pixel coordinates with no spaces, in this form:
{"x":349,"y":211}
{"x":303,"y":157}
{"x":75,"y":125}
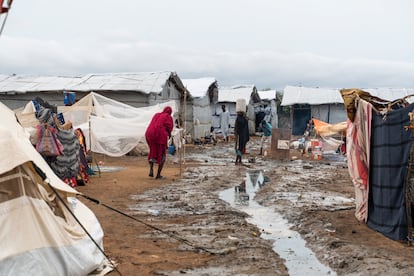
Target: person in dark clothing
{"x":241,"y":132}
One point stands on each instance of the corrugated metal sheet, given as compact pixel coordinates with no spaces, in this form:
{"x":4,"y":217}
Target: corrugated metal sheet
{"x":143,"y":82}
{"x":236,"y":92}
{"x":23,"y":84}
{"x":316,"y":96}
{"x":198,"y":87}
{"x":391,"y":94}
{"x":313,"y":96}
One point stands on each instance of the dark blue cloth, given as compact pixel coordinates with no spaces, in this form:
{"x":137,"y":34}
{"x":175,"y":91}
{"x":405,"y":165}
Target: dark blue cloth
{"x":390,"y":151}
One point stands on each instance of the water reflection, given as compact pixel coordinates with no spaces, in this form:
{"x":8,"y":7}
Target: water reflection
{"x":254,"y":180}
{"x":300,"y":260}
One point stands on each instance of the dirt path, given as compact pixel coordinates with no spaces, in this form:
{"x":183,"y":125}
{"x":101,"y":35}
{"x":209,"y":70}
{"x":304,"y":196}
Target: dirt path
{"x":315,"y":197}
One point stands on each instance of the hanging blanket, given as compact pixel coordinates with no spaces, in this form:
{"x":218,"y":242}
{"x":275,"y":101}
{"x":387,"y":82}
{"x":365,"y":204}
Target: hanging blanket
{"x":390,"y":149}
{"x":358,"y":152}
{"x":66,"y":166}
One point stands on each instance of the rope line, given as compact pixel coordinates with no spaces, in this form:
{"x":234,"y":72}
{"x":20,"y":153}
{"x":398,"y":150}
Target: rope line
{"x":176,"y":237}
{"x":83,"y":227}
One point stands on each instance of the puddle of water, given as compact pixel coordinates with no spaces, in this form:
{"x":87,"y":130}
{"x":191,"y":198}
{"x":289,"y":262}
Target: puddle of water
{"x":300,"y":260}
{"x":106,"y":168}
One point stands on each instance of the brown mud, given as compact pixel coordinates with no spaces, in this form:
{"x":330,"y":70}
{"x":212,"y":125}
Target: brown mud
{"x":182,"y":227}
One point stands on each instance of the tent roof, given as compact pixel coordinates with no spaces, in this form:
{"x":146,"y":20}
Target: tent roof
{"x":231,"y":94}
{"x":391,"y":94}
{"x":267,"y":94}
{"x":149,"y":82}
{"x":313,"y":96}
{"x":23,"y":84}
{"x":198,"y":87}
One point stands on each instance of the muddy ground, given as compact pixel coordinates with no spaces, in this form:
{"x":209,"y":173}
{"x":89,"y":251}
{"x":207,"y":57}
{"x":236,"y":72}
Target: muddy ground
{"x":181,"y":226}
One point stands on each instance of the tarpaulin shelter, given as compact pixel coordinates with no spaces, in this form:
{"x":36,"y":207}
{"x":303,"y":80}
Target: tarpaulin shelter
{"x":325,"y":104}
{"x":199,"y":116}
{"x":229,"y":96}
{"x":40,"y":233}
{"x":110,"y":127}
{"x":380,"y":160}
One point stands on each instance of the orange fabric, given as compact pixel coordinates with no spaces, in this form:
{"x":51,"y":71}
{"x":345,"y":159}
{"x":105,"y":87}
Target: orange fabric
{"x":324,"y":129}
{"x":318,"y":124}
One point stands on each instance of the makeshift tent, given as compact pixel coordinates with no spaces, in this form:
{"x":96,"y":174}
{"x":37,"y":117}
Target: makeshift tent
{"x":39,"y":235}
{"x":110,"y":127}
{"x":380,"y":160}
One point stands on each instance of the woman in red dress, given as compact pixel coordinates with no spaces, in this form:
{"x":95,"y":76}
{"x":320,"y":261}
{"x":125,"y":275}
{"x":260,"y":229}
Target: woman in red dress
{"x":157,"y":134}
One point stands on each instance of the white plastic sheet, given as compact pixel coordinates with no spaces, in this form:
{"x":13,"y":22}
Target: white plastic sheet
{"x":111,"y":127}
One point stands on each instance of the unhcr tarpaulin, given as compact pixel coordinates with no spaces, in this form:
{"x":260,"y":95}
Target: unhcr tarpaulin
{"x":38,"y":235}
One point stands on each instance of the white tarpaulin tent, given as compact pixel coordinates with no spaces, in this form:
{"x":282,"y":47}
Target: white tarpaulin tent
{"x":38,"y":234}
{"x":110,"y":127}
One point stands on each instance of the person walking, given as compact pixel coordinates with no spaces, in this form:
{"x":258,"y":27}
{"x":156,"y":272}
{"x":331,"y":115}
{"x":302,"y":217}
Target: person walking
{"x":241,"y":132}
{"x":157,"y":134}
{"x":225,"y":123}
{"x":266,"y":128}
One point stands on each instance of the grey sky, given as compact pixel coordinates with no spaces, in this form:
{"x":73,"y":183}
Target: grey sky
{"x":269,"y":43}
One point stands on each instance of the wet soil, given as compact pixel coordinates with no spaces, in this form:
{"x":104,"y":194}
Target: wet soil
{"x":180,"y":226}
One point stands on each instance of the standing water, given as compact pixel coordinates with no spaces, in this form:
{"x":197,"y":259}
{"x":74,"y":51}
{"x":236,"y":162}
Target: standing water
{"x":300,"y":260}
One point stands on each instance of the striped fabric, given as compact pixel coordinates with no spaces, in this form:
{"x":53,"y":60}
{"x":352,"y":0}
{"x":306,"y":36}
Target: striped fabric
{"x":358,"y":152}
{"x":67,"y":165}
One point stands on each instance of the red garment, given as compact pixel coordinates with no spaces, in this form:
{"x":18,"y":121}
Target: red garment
{"x":157,"y":134}
{"x":5,"y":9}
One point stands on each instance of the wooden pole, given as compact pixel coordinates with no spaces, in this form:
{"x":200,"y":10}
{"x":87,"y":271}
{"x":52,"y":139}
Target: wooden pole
{"x":182,"y":134}
{"x":185,"y":120}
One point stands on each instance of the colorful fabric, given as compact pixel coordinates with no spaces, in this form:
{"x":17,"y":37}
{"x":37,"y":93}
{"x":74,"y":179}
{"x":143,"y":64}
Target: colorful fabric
{"x":83,"y":175}
{"x":324,"y":129}
{"x":358,"y":153}
{"x":66,"y":166}
{"x":157,"y":134}
{"x":48,"y":144}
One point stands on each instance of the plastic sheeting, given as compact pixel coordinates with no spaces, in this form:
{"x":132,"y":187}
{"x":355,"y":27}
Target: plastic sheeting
{"x":111,"y":127}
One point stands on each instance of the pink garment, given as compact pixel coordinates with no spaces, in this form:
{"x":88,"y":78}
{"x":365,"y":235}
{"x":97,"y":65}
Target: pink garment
{"x":157,"y":134}
{"x":358,"y":152}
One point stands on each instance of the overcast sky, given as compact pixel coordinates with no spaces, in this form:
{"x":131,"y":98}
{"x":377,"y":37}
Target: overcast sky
{"x":268,"y":43}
